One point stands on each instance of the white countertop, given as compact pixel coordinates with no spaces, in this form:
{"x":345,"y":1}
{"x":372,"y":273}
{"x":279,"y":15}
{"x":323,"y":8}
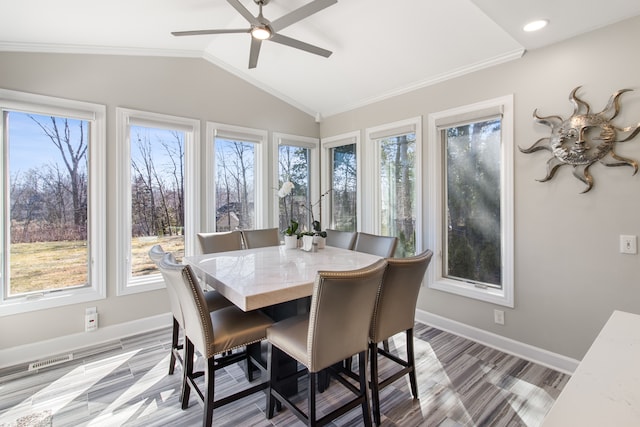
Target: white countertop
{"x":256,"y":278}
{"x":605,"y":388}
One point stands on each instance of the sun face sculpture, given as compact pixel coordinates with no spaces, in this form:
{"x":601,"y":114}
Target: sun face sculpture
{"x":584,"y":138}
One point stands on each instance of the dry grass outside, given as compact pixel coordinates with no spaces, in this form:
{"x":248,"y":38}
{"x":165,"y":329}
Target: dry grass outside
{"x":44,"y":266}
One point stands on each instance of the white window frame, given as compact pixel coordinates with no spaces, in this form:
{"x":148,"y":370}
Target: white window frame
{"x":125,"y":118}
{"x":448,"y":118}
{"x":96,"y":115}
{"x":372,"y":156}
{"x":327,"y":144}
{"x":261,"y":174}
{"x":313,"y":145}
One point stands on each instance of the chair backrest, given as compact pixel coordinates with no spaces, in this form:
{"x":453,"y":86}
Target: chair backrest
{"x":220,"y":242}
{"x":396,"y":302}
{"x":261,"y":238}
{"x":341,"y":239}
{"x":156,"y":253}
{"x":384,"y":246}
{"x":340,"y":316}
{"x":197,"y":320}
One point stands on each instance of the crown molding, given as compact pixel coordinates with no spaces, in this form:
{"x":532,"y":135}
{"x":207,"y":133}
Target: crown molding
{"x":430,"y":81}
{"x":95,"y":50}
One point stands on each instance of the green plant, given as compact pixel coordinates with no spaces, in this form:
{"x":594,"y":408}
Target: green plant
{"x":317,"y":230}
{"x":292,"y":230}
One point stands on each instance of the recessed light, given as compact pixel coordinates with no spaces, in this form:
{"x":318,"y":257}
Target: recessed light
{"x":535,"y":25}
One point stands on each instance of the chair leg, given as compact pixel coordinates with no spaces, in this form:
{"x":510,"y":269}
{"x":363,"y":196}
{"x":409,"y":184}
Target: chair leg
{"x":209,"y":378}
{"x":385,"y":345}
{"x":174,"y":345}
{"x":311,"y":393}
{"x":272,"y":370}
{"x":366,"y":410}
{"x":187,"y":372}
{"x":375,"y":389}
{"x":411,"y":361}
{"x":248,"y":366}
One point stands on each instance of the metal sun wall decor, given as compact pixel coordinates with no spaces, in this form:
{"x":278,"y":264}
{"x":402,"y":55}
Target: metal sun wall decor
{"x":584,"y":138}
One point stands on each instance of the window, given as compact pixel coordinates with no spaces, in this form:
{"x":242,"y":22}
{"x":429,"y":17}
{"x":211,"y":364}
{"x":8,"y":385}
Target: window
{"x":236,"y":180}
{"x":53,"y":245}
{"x":157,"y":182}
{"x":397,"y":157}
{"x":472,"y":200}
{"x":341,"y":155}
{"x":297,"y":161}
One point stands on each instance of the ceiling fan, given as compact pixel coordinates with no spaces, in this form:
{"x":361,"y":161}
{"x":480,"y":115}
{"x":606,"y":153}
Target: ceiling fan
{"x":263,"y":29}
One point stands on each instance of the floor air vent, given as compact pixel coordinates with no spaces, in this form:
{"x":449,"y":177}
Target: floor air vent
{"x":50,"y":362}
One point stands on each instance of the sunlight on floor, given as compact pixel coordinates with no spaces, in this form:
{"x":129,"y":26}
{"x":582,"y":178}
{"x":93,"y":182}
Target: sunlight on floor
{"x":76,"y":376}
{"x":121,"y":409}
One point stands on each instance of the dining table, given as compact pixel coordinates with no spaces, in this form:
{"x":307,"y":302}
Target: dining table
{"x":264,"y":277}
{"x":276,"y":280}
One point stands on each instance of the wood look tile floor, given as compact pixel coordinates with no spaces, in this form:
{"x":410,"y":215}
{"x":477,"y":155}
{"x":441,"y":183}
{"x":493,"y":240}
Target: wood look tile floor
{"x":125,"y":382}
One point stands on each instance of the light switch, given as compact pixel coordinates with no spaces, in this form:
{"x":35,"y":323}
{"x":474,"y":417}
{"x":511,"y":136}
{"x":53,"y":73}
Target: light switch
{"x":628,"y":244}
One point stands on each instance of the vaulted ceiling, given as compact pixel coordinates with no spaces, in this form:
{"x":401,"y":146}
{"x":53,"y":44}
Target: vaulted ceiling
{"x":380,"y":48}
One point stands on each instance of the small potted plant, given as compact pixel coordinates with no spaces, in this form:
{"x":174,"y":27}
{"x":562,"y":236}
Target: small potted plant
{"x":291,"y":232}
{"x":291,"y":235}
{"x":319,"y":235}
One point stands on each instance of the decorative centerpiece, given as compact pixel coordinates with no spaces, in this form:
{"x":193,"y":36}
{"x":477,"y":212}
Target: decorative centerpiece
{"x":317,"y":236}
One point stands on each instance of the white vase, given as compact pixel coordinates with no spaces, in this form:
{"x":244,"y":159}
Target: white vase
{"x":290,"y":242}
{"x":307,"y":243}
{"x":320,"y":241}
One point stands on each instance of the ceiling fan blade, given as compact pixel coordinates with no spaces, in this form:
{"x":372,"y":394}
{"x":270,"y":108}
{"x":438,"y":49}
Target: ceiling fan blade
{"x":288,"y":41}
{"x":244,"y":12}
{"x":203,"y":32}
{"x":255,"y":51}
{"x":300,"y":13}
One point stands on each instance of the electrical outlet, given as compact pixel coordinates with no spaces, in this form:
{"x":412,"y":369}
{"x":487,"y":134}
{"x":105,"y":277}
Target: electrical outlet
{"x":498,"y":317}
{"x":90,"y":319}
{"x":628,"y":244}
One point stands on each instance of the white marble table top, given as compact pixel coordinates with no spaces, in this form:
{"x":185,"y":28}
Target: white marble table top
{"x":256,"y":278}
{"x":605,"y":388}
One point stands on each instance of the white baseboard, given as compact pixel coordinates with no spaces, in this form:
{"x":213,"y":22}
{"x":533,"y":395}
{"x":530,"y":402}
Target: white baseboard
{"x":43,"y":349}
{"x":537,"y":355}
{"x":40,"y":350}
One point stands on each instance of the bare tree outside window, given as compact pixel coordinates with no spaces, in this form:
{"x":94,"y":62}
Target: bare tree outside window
{"x":234,"y":183}
{"x":473,"y":202}
{"x":397,"y":191}
{"x":343,"y":183}
{"x":293,"y":166}
{"x":157,"y":194}
{"x":47,"y":203}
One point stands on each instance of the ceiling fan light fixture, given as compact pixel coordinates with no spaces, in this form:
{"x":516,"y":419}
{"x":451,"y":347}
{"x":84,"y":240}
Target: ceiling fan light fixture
{"x":261,"y":32}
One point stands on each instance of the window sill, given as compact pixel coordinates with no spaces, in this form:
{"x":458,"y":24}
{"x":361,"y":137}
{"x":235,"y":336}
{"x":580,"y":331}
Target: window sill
{"x":48,"y":300}
{"x":491,"y":295}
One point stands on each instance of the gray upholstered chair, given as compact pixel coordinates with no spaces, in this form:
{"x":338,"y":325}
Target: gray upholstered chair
{"x":395,"y":312}
{"x":212,"y":334}
{"x":213,"y":301}
{"x":261,"y":238}
{"x":319,"y":339}
{"x":384,"y":246}
{"x":220,"y":242}
{"x":341,"y":239}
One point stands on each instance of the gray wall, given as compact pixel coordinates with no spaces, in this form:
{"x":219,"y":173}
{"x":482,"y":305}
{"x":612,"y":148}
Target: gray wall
{"x":191,"y":88}
{"x":569,"y":275}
